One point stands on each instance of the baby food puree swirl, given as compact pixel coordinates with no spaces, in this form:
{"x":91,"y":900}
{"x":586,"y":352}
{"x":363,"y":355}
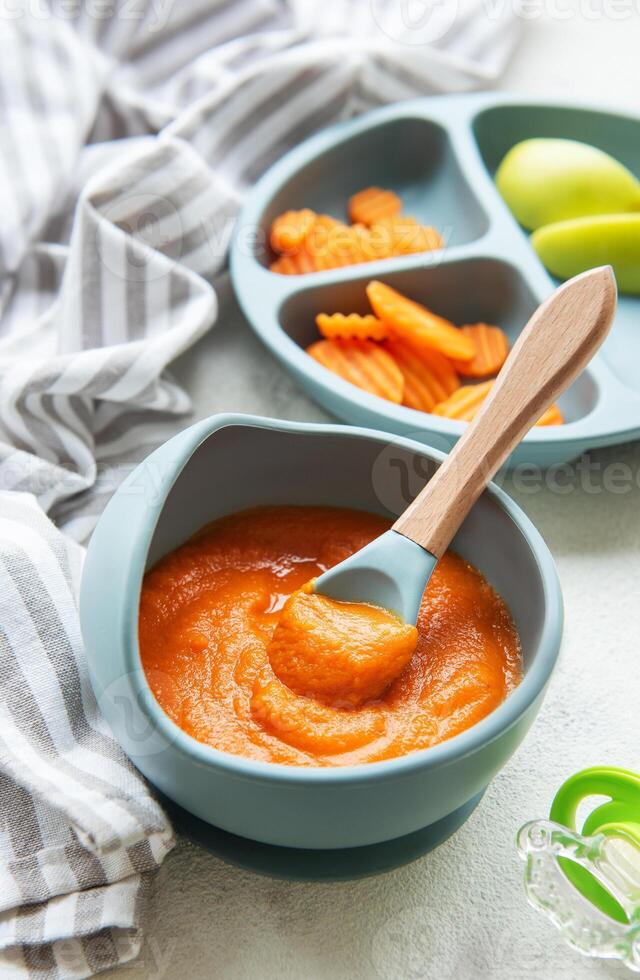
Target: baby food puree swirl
{"x":361,"y":688}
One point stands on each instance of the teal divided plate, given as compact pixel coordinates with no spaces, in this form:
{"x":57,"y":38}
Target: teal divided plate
{"x":440,"y":155}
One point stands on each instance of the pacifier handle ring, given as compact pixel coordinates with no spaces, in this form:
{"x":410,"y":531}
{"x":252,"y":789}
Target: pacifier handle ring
{"x":621,"y":786}
{"x":619,"y":816}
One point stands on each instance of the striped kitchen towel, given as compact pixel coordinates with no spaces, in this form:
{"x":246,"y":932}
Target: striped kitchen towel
{"x":129,"y":133}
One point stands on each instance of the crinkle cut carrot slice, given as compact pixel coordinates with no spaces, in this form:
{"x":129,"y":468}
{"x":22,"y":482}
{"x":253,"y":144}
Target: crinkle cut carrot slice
{"x":351,"y":326}
{"x":397,"y":236}
{"x":295,"y":264}
{"x":402,"y":235}
{"x":340,"y":250}
{"x":464,"y":403}
{"x":289,"y":230}
{"x":343,"y":245}
{"x":334,"y":244}
{"x":415,"y":324}
{"x":326,"y":245}
{"x":429,"y":377}
{"x":552,"y":416}
{"x":491,"y":350}
{"x":373,"y":204}
{"x":363,"y":363}
{"x":323,"y":230}
{"x":368,"y":246}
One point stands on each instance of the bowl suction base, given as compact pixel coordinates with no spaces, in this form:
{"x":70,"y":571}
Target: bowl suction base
{"x":298,"y":864}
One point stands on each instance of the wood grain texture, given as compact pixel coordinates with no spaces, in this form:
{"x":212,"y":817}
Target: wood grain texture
{"x":557,"y":343}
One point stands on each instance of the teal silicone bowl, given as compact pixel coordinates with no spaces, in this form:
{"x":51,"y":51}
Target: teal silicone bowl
{"x":440,"y":154}
{"x":230,"y":462}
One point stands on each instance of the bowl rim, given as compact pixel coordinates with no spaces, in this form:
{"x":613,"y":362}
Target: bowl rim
{"x":499,"y":721}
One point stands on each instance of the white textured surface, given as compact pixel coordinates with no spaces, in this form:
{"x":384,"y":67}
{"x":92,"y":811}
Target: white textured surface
{"x":459,"y":912}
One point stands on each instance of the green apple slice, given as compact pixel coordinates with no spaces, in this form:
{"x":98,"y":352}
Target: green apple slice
{"x":547,"y":180}
{"x":569,"y":247}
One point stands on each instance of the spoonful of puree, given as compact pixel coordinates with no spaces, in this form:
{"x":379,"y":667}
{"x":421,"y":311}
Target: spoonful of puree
{"x":346,"y":636}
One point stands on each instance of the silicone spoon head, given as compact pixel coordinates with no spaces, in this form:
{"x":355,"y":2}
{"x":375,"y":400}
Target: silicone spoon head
{"x":392,"y":572}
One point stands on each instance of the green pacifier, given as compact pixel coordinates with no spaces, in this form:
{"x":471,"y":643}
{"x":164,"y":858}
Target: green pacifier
{"x":586,"y":879}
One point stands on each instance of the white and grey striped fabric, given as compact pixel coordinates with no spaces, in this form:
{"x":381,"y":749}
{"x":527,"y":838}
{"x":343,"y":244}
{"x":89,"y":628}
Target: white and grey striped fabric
{"x":129,"y":133}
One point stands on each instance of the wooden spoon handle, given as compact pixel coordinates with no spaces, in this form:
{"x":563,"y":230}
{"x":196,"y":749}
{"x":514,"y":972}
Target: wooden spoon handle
{"x":556,"y":344}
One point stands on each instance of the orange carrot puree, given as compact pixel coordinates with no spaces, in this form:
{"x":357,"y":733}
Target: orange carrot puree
{"x":209,"y":610}
{"x":342,"y":653}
